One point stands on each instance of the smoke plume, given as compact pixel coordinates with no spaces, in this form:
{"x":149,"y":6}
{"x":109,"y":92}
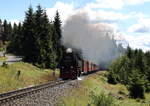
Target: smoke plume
{"x":94,"y":40}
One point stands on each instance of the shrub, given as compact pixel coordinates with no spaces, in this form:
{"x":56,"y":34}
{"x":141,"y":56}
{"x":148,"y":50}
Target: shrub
{"x":102,"y":100}
{"x":136,"y":91}
{"x":136,"y":85}
{"x":5,"y":65}
{"x":111,"y":79}
{"x":147,"y":86}
{"x":119,"y":70}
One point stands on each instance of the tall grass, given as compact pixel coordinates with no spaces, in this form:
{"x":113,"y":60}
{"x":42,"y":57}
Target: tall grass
{"x":102,"y":99}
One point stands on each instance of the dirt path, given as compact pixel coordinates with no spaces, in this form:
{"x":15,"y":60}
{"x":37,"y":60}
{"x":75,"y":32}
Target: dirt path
{"x":11,"y":59}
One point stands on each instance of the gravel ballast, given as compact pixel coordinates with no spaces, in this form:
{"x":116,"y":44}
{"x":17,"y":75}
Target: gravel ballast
{"x":46,"y":97}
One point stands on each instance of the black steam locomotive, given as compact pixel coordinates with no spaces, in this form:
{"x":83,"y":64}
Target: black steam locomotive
{"x":72,"y":65}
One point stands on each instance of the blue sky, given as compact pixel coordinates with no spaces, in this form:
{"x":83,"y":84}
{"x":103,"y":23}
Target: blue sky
{"x":130,"y":19}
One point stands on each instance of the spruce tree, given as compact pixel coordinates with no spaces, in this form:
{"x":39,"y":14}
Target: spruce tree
{"x":136,"y":85}
{"x":1,"y":34}
{"x":139,"y":62}
{"x":57,"y":36}
{"x":29,"y":45}
{"x":147,"y":64}
{"x":18,"y":40}
{"x":129,"y":52}
{"x":12,"y":45}
{"x":9,"y":31}
{"x":5,"y":35}
{"x":39,"y":31}
{"x":46,"y":54}
{"x":0,"y":22}
{"x":6,"y":31}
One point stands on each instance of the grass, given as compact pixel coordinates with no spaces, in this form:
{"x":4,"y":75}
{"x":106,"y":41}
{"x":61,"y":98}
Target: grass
{"x":1,"y":49}
{"x":3,"y":58}
{"x":29,"y":76}
{"x":98,"y":85}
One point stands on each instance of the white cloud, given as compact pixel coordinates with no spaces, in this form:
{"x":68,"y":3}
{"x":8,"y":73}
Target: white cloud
{"x":138,"y":15}
{"x":65,"y":10}
{"x":139,"y":41}
{"x":145,"y":21}
{"x":114,"y":4}
{"x":143,"y":26}
{"x":110,"y":15}
{"x":135,"y":2}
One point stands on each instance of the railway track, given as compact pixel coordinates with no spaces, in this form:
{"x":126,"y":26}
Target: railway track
{"x":17,"y":94}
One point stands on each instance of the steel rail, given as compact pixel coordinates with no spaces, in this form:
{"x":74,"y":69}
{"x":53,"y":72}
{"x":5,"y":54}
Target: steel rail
{"x":17,"y":94}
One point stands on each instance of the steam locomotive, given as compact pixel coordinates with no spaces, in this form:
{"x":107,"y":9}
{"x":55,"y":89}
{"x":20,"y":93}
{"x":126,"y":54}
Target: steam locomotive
{"x":72,"y":65}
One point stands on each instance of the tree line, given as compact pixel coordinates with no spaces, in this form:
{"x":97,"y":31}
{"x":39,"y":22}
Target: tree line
{"x":36,"y":38}
{"x":132,"y":70}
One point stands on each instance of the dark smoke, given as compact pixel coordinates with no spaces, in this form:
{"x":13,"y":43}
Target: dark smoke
{"x":95,"y":41}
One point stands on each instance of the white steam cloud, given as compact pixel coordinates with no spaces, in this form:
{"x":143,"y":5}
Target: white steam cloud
{"x":94,"y":40}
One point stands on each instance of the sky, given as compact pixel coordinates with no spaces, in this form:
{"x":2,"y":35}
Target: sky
{"x":130,"y":19}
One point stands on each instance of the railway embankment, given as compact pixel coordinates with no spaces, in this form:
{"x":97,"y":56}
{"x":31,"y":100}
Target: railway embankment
{"x":20,"y":75}
{"x":45,"y":97}
{"x":91,"y":90}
